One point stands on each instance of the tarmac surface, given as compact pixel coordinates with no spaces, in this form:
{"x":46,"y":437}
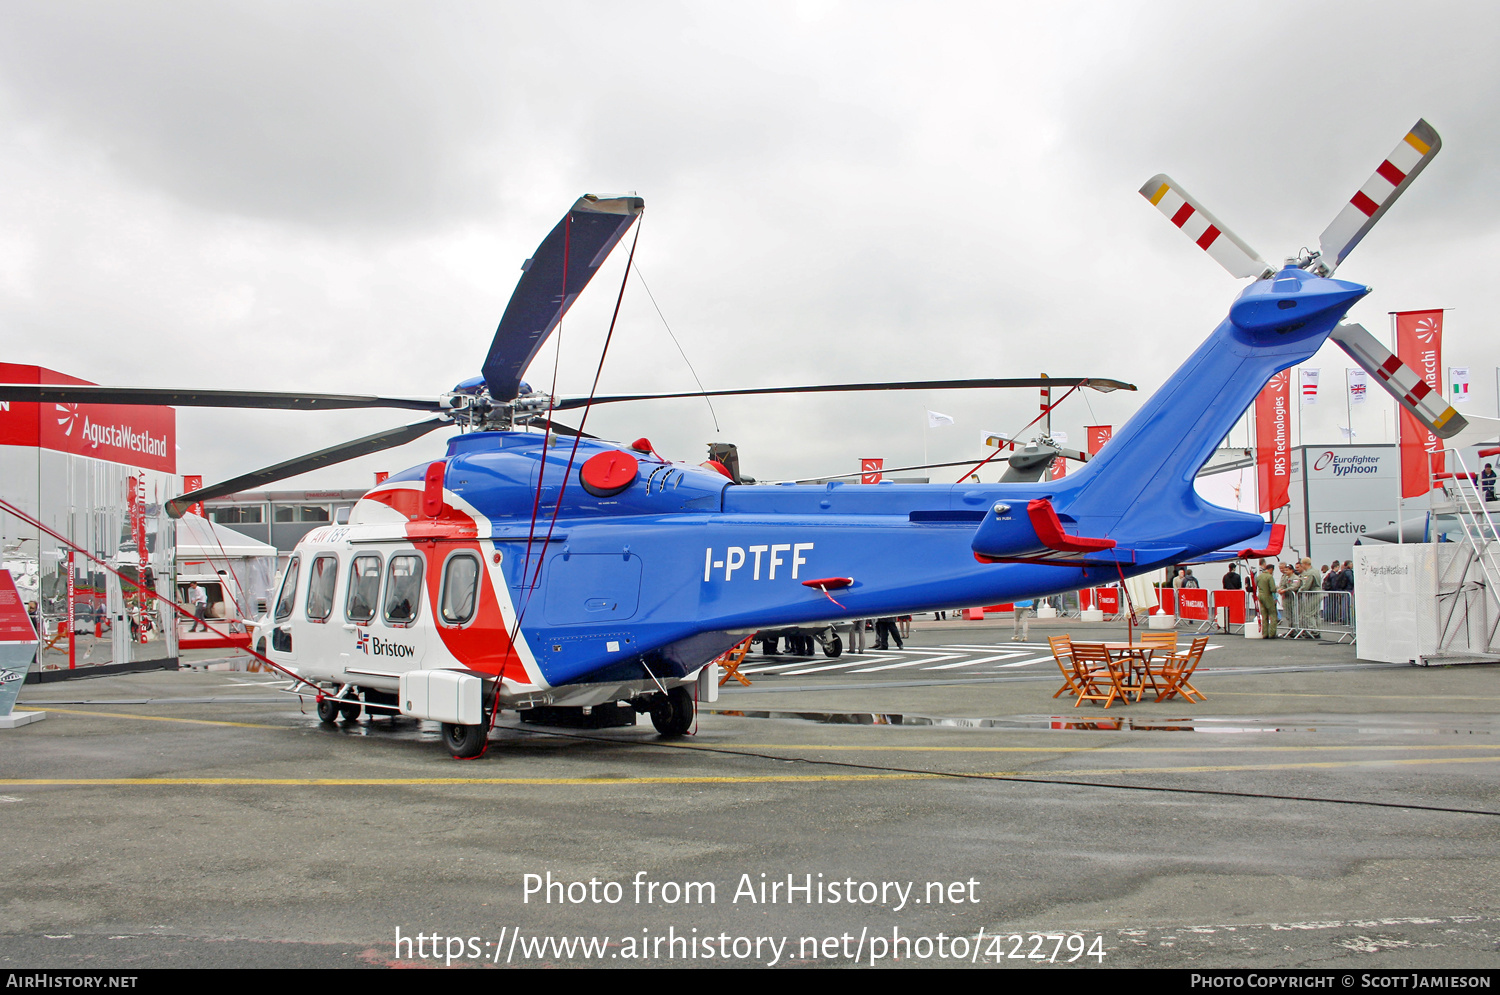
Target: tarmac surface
{"x":1315,"y":811}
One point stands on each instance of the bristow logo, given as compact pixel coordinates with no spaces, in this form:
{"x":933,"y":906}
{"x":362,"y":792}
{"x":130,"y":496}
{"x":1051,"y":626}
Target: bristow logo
{"x":375,"y":646}
{"x":10,"y":676}
{"x":1323,"y":460}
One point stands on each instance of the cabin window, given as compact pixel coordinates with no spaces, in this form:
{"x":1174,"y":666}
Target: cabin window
{"x":321,"y":580}
{"x":460,"y":588}
{"x":403,"y":589}
{"x":364,"y":588}
{"x":288,"y":596}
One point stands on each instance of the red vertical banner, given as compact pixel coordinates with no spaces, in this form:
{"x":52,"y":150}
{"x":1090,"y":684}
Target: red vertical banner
{"x":1419,"y":344}
{"x":193,"y":482}
{"x":1059,"y":468}
{"x":871,"y":470}
{"x":381,"y":476}
{"x":1098,"y":435}
{"x":1273,"y":443}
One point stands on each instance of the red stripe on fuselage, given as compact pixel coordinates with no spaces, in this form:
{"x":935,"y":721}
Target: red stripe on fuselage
{"x":484,"y":644}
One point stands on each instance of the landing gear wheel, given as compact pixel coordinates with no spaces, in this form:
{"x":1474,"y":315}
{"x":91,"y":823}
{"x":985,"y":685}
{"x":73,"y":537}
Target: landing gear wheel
{"x":673,"y":714}
{"x":351,"y":710}
{"x":465,"y":742}
{"x":328,"y":711}
{"x":833,"y":646}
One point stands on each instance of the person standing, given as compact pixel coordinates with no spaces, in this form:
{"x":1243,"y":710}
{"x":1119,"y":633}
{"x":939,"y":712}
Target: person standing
{"x":1021,"y":619}
{"x":1232,"y":580}
{"x":1286,"y":587}
{"x":1310,"y":601}
{"x":857,"y":637}
{"x":885,"y":630}
{"x":1487,"y":480}
{"x":1188,"y":580}
{"x":1265,"y":596}
{"x":198,"y":598}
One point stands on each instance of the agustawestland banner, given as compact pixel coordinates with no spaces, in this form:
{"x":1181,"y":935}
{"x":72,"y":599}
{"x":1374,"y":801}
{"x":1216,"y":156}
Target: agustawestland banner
{"x":143,"y":436}
{"x":1098,"y":436}
{"x":1419,"y":344}
{"x":1273,"y":442}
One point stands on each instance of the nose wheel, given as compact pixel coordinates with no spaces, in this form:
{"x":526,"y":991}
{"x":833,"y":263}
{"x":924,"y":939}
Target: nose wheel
{"x":465,"y":742}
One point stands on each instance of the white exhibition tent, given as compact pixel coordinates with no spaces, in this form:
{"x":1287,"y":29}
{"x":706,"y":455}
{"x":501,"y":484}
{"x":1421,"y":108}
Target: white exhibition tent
{"x":209,"y":553}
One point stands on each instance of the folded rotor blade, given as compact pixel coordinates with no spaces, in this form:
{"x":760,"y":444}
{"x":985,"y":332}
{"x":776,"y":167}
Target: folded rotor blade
{"x":1371,"y":201}
{"x":312,"y":461}
{"x":585,"y":237}
{"x":1097,"y":383}
{"x":541,"y":421}
{"x":1207,"y":232}
{"x":1410,"y":390}
{"x":92,"y":394}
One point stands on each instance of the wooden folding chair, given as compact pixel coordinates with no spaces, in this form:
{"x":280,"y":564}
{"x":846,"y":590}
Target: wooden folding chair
{"x":732,"y":659}
{"x":1092,"y":663}
{"x":1062,"y":652}
{"x":1179,"y":669}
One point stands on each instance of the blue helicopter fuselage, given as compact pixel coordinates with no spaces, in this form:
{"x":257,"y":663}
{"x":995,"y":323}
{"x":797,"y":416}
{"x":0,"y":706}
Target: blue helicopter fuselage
{"x":682,"y":562}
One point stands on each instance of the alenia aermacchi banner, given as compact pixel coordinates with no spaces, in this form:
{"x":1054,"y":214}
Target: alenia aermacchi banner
{"x":138,"y":435}
{"x":1419,"y":344}
{"x":871,"y":470}
{"x":1273,"y":442}
{"x":1098,"y":436}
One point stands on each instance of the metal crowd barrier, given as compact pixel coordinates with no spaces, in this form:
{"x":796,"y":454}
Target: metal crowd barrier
{"x":1317,"y":614}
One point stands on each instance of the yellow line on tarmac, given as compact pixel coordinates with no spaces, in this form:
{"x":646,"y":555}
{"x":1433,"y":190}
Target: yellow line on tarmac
{"x":1230,"y":768}
{"x":153,"y":718}
{"x":1073,"y":749}
{"x":1346,"y":694}
{"x":318,"y":782}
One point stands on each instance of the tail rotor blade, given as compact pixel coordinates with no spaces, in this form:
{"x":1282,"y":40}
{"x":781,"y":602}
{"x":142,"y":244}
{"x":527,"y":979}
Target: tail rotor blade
{"x":1371,"y":201}
{"x":1207,"y":232}
{"x":302,"y":464}
{"x":1410,"y":390}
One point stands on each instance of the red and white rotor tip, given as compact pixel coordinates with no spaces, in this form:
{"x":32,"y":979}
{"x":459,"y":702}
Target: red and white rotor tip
{"x":1389,"y":181}
{"x":1410,"y":390}
{"x":1206,"y":231}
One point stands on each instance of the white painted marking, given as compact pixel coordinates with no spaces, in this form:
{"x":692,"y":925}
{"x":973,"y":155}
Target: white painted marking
{"x":983,"y":659}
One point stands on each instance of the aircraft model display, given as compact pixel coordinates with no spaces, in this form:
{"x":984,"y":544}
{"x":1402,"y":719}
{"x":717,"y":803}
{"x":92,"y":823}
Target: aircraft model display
{"x":525,"y":570}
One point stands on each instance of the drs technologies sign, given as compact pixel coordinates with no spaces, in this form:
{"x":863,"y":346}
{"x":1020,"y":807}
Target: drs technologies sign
{"x":1343,"y":466}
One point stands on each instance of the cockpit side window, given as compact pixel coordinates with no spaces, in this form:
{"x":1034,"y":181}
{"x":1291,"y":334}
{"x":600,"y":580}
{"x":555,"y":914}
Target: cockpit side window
{"x":403,"y":590}
{"x":364,"y":588}
{"x":288,"y":597}
{"x":460,"y":588}
{"x":322,"y":578}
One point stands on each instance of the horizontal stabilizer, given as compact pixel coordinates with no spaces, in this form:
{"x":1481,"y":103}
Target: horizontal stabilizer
{"x":1268,"y":545}
{"x":1206,"y":231}
{"x":1371,"y":201}
{"x":1401,"y":381}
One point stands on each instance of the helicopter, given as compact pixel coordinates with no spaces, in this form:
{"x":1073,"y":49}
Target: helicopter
{"x":556,"y":570}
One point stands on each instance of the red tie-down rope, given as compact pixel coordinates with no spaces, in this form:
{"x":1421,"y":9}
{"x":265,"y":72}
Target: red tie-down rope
{"x":1045,"y":411}
{"x":34,"y":523}
{"x":530,"y":587}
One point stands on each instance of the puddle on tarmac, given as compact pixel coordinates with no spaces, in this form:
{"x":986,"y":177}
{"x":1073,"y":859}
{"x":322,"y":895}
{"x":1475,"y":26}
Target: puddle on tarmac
{"x":1123,"y":723}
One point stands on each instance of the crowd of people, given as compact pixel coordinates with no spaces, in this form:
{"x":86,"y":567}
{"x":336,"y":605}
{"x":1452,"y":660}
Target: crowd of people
{"x":1303,"y":617}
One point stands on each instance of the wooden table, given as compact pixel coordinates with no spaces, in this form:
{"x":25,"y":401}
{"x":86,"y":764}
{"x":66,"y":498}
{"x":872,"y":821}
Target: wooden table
{"x":1137,"y":657}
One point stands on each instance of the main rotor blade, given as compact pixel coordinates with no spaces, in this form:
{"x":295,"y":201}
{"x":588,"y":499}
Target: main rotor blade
{"x":1207,"y":232}
{"x":1371,"y":201}
{"x":1097,"y":383}
{"x":541,"y":421}
{"x":1401,"y":381}
{"x":92,"y":394}
{"x":586,"y":234}
{"x":312,"y":461}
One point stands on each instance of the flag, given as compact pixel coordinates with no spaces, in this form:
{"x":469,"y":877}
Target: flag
{"x":935,"y":420}
{"x":871,"y":470}
{"x":1273,"y":450}
{"x":1458,"y":384}
{"x":1419,"y":344}
{"x":1098,"y":436}
{"x":1309,"y":386}
{"x":1358,"y":386}
{"x":1348,"y":433}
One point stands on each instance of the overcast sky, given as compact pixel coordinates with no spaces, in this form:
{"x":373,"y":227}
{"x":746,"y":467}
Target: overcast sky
{"x":338,"y":197}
